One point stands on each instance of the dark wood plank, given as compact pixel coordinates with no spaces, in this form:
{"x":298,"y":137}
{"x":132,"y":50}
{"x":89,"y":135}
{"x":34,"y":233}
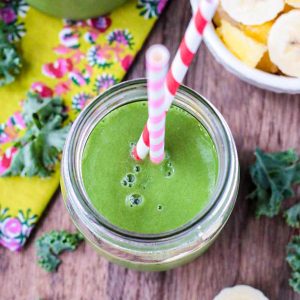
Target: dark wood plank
{"x":249,"y":251}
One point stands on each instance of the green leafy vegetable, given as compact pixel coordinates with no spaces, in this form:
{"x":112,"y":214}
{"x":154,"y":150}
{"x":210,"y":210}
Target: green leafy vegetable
{"x":292,"y":216}
{"x":51,"y":244}
{"x":273,"y":175}
{"x":44,"y":139}
{"x":293,"y":259}
{"x":10,"y":61}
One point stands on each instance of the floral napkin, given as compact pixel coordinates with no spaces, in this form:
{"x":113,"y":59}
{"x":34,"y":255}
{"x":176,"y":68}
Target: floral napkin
{"x":75,"y":60}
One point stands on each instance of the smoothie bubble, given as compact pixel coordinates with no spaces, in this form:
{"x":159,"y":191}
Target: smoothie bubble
{"x":169,"y":172}
{"x":159,"y":207}
{"x":167,"y":168}
{"x":136,"y":169}
{"x":124,"y":182}
{"x":128,"y":180}
{"x":134,"y":200}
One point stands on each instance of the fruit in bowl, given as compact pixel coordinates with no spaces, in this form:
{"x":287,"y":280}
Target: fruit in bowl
{"x":263,"y":34}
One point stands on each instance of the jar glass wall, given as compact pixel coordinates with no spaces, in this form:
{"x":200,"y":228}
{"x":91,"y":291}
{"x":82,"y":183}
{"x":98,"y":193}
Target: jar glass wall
{"x":150,"y":252}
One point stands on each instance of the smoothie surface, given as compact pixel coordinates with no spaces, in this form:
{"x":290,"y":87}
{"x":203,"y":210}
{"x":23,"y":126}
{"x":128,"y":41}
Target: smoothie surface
{"x":142,"y":197}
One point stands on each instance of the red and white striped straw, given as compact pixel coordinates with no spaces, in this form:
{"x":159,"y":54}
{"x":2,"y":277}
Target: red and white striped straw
{"x":141,"y":150}
{"x":183,"y":58}
{"x":188,"y":47}
{"x":157,"y":64}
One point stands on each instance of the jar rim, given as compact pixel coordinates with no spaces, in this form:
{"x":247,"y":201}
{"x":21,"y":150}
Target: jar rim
{"x":72,"y":178}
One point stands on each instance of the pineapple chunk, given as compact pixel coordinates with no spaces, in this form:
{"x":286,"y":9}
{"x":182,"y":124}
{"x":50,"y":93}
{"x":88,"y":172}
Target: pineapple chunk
{"x":293,"y":3}
{"x":266,"y":65}
{"x":258,"y":32}
{"x":287,"y":8}
{"x":243,"y":47}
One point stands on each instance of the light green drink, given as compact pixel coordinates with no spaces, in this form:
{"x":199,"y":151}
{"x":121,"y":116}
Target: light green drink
{"x":142,"y":197}
{"x":76,"y":9}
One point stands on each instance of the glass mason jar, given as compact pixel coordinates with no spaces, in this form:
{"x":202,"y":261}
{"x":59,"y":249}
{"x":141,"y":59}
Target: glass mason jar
{"x":143,"y":251}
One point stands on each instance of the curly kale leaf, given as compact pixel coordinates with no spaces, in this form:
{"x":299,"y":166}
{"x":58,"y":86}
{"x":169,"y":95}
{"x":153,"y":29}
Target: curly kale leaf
{"x":273,"y":175}
{"x":39,"y":148}
{"x":41,"y":110}
{"x":39,"y":151}
{"x":292,"y":216}
{"x":51,"y":244}
{"x":10,"y":61}
{"x":293,"y":259}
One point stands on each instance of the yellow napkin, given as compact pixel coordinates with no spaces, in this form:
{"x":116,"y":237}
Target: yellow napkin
{"x":76,"y":60}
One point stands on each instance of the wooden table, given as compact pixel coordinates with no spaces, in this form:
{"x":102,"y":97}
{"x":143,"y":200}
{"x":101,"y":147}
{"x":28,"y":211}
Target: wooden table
{"x":249,"y":251}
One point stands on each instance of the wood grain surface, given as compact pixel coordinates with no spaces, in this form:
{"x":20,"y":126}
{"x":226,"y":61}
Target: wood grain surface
{"x":248,"y":251}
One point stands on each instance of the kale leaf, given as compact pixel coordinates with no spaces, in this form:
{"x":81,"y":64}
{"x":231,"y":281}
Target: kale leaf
{"x":10,"y":61}
{"x":44,"y":139}
{"x":53,"y":243}
{"x":273,"y":174}
{"x":293,"y":259}
{"x":292,"y":216}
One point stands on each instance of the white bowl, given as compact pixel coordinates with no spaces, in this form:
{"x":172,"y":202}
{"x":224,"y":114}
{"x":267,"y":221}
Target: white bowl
{"x":261,"y":79}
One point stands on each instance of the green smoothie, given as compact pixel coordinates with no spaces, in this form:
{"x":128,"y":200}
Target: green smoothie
{"x":76,"y":9}
{"x":142,"y":197}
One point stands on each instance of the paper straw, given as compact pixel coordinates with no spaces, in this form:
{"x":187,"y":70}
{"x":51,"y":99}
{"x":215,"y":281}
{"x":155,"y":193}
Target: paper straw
{"x":188,"y":47}
{"x":157,"y":60}
{"x":157,"y":63}
{"x":185,"y":54}
{"x":141,"y":149}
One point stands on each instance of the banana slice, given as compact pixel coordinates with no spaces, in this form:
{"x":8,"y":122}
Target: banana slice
{"x":253,"y":12}
{"x":284,"y":43}
{"x":241,"y":292}
{"x":294,"y":3}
